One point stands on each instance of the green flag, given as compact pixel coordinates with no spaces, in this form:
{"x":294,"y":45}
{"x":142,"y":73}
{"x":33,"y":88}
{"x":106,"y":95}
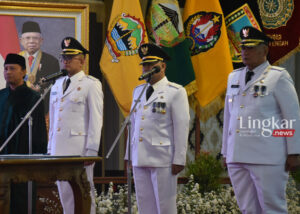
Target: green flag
{"x":165,"y":28}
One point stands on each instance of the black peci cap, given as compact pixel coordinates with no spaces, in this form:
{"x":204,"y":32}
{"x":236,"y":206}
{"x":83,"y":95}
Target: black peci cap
{"x":152,"y":53}
{"x":252,"y":37}
{"x":31,"y":27}
{"x":12,"y":58}
{"x":71,"y":46}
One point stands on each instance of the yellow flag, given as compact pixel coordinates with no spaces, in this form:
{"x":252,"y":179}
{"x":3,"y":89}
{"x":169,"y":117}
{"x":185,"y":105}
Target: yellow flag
{"x":205,"y":27}
{"x":120,"y":60}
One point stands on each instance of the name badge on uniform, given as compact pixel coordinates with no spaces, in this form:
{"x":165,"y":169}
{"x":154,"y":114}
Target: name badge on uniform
{"x":53,"y":93}
{"x":235,"y":86}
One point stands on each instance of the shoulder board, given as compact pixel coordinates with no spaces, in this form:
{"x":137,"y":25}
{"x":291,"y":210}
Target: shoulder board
{"x":60,"y":78}
{"x":140,"y":85}
{"x":238,"y":69}
{"x":91,"y":77}
{"x":277,"y":68}
{"x":174,"y":85}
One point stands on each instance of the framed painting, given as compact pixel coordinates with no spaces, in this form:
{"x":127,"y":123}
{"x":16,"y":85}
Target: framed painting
{"x":55,"y":20}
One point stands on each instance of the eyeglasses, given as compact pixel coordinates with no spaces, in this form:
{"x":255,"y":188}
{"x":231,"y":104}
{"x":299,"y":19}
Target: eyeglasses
{"x":145,"y":64}
{"x":67,"y":58}
{"x":34,"y":38}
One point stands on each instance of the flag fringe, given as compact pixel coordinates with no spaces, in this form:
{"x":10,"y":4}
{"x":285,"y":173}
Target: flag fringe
{"x":191,"y":88}
{"x":193,"y":102}
{"x":211,"y":109}
{"x":288,"y":55}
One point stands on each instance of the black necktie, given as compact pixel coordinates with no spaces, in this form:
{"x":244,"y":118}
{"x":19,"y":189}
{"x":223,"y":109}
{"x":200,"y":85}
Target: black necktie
{"x":248,"y":77}
{"x":149,"y":92}
{"x":67,"y":84}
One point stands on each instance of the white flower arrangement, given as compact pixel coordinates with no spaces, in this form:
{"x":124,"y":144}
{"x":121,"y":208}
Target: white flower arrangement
{"x":115,"y":202}
{"x":190,"y":200}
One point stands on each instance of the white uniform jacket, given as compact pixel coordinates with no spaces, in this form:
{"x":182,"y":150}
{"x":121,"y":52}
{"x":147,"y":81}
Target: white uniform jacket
{"x":160,"y":126}
{"x":75,"y":116}
{"x":252,"y":113}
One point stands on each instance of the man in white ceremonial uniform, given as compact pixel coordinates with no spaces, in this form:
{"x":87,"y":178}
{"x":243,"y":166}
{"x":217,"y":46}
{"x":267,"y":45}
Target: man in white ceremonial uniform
{"x":159,"y":133}
{"x":261,"y":133}
{"x":76,"y":116}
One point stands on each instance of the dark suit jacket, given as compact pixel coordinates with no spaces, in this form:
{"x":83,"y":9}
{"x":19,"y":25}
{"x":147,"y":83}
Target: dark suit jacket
{"x":49,"y":65}
{"x":14,"y":105}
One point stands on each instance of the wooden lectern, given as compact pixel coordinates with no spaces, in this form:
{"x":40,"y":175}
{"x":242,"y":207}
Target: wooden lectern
{"x":44,"y":168}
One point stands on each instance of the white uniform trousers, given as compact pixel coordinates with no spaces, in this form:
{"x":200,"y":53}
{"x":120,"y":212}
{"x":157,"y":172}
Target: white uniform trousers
{"x":66,"y":193}
{"x":259,"y":189}
{"x":155,"y":189}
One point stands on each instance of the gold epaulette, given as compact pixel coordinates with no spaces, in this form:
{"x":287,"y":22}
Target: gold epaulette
{"x":174,"y":85}
{"x":277,"y":68}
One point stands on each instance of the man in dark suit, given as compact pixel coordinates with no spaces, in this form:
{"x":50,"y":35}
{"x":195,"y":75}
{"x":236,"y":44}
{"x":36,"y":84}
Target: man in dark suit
{"x":16,"y":100}
{"x":38,"y":63}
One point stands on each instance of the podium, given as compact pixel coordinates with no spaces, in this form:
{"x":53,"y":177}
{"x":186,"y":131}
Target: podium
{"x":44,"y":168}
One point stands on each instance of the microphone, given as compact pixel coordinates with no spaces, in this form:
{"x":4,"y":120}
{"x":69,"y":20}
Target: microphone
{"x":54,"y":76}
{"x":149,"y":73}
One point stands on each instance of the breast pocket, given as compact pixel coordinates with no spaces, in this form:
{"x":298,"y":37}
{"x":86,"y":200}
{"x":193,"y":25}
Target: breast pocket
{"x":77,"y":133}
{"x":160,"y":141}
{"x":53,"y":99}
{"x":78,"y":103}
{"x":231,"y":97}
